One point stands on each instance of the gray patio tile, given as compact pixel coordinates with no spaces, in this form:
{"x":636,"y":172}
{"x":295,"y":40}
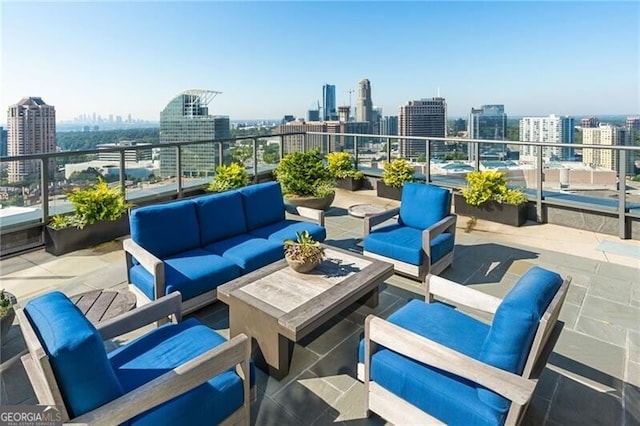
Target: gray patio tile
{"x":611,"y":289}
{"x":569,"y":314}
{"x":329,"y":335}
{"x":388,"y":302}
{"x":265,"y":411}
{"x":632,"y":377}
{"x":635,"y":295}
{"x":351,"y":405}
{"x":15,"y":264}
{"x":301,"y":358}
{"x":301,"y":401}
{"x":634,"y":345}
{"x":631,"y":404}
{"x":613,"y":270}
{"x":537,"y":412}
{"x":575,"y":295}
{"x":15,"y":384}
{"x":547,"y":384}
{"x":341,"y":360}
{"x":342,"y":382}
{"x":602,"y":330}
{"x":615,"y":313}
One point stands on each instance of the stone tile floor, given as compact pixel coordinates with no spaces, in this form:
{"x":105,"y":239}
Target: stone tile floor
{"x":593,"y":376}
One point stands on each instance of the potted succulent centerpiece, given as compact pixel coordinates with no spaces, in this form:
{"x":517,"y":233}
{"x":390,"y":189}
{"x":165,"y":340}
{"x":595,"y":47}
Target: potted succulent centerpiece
{"x":229,"y":176}
{"x":487,"y":196}
{"x":394,"y":175}
{"x":306,"y":181}
{"x":304,"y":254}
{"x":7,"y":313}
{"x":100,"y":214}
{"x":342,"y":168}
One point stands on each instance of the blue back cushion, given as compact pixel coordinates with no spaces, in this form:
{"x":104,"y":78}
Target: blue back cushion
{"x":166,"y":229}
{"x":76,"y":353}
{"x":423,"y":205}
{"x":220,"y":216}
{"x":514,"y":325}
{"x":263,"y":204}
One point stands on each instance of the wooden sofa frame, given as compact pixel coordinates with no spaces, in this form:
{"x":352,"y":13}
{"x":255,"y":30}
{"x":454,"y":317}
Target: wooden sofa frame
{"x":517,"y":388}
{"x":233,"y":353}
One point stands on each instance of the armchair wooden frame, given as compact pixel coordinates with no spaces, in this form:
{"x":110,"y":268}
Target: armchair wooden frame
{"x":234,"y":353}
{"x":517,"y":388}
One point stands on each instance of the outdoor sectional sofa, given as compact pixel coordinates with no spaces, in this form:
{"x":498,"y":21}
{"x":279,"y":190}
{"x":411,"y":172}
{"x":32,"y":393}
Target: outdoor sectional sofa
{"x":195,"y":245}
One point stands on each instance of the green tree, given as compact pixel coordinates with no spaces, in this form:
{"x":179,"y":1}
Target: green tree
{"x":271,"y":153}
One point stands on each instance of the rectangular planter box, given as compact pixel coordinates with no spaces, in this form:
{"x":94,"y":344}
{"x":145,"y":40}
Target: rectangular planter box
{"x":390,"y":192}
{"x":508,"y":214}
{"x":349,"y":183}
{"x":66,"y":240}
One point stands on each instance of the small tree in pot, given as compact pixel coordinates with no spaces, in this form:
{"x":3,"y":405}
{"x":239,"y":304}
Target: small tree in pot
{"x":342,"y":168}
{"x":394,"y":175}
{"x":306,"y":180}
{"x":229,"y":176}
{"x":7,"y":313}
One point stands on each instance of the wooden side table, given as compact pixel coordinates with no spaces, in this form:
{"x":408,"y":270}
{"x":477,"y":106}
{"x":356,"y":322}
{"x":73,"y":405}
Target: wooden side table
{"x":101,"y":305}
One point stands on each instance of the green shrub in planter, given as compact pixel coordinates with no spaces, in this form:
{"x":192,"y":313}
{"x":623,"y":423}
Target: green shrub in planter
{"x":230,"y":176}
{"x":304,"y":174}
{"x":490,"y":185}
{"x":397,"y":172}
{"x":341,"y":165}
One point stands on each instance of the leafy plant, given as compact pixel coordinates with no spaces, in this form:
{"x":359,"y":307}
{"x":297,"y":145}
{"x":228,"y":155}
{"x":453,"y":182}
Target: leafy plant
{"x":304,"y":174}
{"x":6,"y":302}
{"x":490,"y":185}
{"x":95,"y":203}
{"x":305,"y":249}
{"x":397,"y":172}
{"x":230,"y":176}
{"x":341,"y":165}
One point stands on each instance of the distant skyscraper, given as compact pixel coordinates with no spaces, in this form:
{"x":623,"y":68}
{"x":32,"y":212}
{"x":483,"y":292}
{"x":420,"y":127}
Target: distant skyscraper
{"x":313,"y":115}
{"x":389,"y":125}
{"x":343,"y":113}
{"x":31,"y":129}
{"x":329,"y":111}
{"x":633,"y":123}
{"x":186,"y":119}
{"x":460,"y":125}
{"x":3,"y":142}
{"x":552,"y":129}
{"x":605,"y":134}
{"x":376,"y":116}
{"x":364,"y":105}
{"x":489,"y":122}
{"x":589,"y":122}
{"x":424,"y":117}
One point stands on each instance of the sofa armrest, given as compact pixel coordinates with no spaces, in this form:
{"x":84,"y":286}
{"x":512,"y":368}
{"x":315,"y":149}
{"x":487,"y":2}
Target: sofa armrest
{"x":309,"y":213}
{"x":157,"y":310}
{"x":376,"y":219}
{"x":180,"y":380}
{"x":511,"y":386}
{"x":460,"y":294}
{"x":148,"y":261}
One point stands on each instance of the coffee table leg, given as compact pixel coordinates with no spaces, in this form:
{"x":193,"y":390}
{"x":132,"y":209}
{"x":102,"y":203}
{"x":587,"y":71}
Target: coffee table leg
{"x":371,"y":299}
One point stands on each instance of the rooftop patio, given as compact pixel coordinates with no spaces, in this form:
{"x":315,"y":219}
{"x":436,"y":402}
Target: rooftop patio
{"x":593,"y":376}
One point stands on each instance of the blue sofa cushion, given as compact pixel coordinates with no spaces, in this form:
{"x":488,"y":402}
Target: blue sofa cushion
{"x":404,"y":243}
{"x":515,"y":322}
{"x":220,"y":216}
{"x":286,"y":230}
{"x":165,"y":348}
{"x":76,"y":353}
{"x":263,"y":204}
{"x":444,"y":396}
{"x":248,"y":252}
{"x":423,"y":205}
{"x":192,"y":273}
{"x":166,"y":229}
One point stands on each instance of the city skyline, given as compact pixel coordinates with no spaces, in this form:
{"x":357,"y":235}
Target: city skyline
{"x":269,"y":59}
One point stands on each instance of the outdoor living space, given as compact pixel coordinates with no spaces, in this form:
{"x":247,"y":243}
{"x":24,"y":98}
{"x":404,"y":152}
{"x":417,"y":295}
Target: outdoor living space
{"x":592,"y":377}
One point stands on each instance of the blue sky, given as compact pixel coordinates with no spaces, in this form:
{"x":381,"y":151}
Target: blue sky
{"x":272,"y":58}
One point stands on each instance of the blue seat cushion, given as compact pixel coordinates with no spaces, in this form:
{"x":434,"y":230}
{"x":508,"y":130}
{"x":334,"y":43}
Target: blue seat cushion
{"x":447,"y":397}
{"x":220,"y":216}
{"x":191,"y":273}
{"x":166,"y":229}
{"x":248,"y":252}
{"x":404,"y":243}
{"x":514,"y":325}
{"x":423,"y":205}
{"x":286,"y":230}
{"x":76,"y":353}
{"x":263,"y":204}
{"x":165,"y":348}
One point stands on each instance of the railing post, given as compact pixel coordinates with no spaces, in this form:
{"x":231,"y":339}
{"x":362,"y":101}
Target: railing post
{"x":476,"y":155}
{"x":281,"y":147}
{"x":123,"y":174}
{"x":622,"y":194}
{"x":179,"y":171}
{"x":539,"y":183}
{"x":44,"y":190}
{"x":355,"y":152}
{"x":427,"y":156}
{"x":388,"y":149}
{"x":220,"y":153}
{"x":255,"y":160}
{"x":304,"y":143}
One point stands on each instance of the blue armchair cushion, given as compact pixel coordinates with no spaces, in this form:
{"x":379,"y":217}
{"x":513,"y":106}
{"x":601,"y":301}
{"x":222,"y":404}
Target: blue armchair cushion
{"x":404,"y":243}
{"x":286,"y":230}
{"x":263,"y":204}
{"x":248,"y":252}
{"x":165,"y":348}
{"x":515,"y":322}
{"x":76,"y":353}
{"x":423,"y":205}
{"x":192,"y":273}
{"x":166,"y":229}
{"x":220,"y":216}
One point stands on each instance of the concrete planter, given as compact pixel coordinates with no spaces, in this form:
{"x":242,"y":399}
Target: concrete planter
{"x":508,"y":214}
{"x":390,"y":192}
{"x":311,"y":202}
{"x":66,"y":240}
{"x":349,"y":183}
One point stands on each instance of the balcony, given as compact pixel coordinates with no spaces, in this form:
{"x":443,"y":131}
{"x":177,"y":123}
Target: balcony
{"x":593,"y":376}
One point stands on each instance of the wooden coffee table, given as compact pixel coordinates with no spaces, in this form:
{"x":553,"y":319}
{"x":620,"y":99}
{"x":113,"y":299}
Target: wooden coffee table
{"x":275,"y":304}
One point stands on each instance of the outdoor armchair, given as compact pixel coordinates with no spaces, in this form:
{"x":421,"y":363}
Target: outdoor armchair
{"x":423,"y":237}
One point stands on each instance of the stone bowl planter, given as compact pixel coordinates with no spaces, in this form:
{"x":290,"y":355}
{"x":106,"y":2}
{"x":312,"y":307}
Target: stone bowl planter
{"x":302,"y":267}
{"x":318,"y":203}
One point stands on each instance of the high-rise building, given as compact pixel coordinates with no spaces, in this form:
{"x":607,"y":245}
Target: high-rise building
{"x":343,"y":113}
{"x":364,"y":105}
{"x":329,"y":111}
{"x":606,"y":135}
{"x":552,"y":129}
{"x":389,"y":125}
{"x":375,"y":120}
{"x":313,"y":115}
{"x":460,"y":125}
{"x":489,"y":122}
{"x":424,"y":117}
{"x":322,"y":142}
{"x":186,"y":118}
{"x":31,"y":129}
{"x":589,"y":122}
{"x":3,"y":142}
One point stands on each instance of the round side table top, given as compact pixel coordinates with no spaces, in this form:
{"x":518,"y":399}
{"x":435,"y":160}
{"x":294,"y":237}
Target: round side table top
{"x":363,"y":210}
